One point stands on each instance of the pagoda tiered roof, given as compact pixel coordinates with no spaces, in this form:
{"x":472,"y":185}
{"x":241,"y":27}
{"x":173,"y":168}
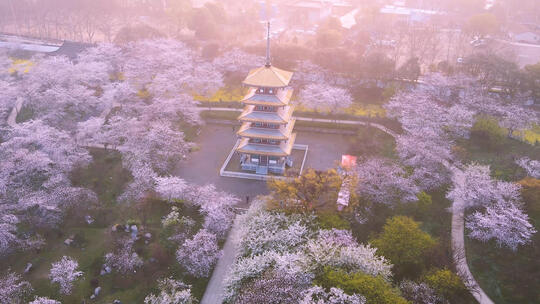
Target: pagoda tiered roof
{"x":282,"y":98}
{"x":282,"y":116}
{"x":282,"y":133}
{"x":283,"y":149}
{"x":269,"y":77}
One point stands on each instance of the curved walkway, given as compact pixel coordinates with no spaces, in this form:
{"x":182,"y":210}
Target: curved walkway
{"x":214,"y":290}
{"x":458,"y":249}
{"x":300,"y":118}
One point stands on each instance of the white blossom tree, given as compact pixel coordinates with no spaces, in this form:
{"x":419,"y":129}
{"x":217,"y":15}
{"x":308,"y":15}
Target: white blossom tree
{"x":338,"y":248}
{"x":530,"y":165}
{"x":325,"y":98}
{"x":274,"y":286}
{"x":124,"y":259}
{"x":318,"y":295}
{"x":503,"y":218}
{"x":382,"y":181}
{"x":44,"y":300}
{"x":502,"y":221}
{"x":199,"y":254}
{"x":420,"y":293}
{"x":216,"y":206}
{"x":35,"y":187}
{"x":289,"y":246}
{"x":8,"y":232}
{"x":170,"y":187}
{"x":64,"y":272}
{"x":13,"y":289}
{"x":171,"y":292}
{"x":237,"y":60}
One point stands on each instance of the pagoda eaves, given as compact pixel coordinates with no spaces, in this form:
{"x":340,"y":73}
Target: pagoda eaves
{"x":269,"y":77}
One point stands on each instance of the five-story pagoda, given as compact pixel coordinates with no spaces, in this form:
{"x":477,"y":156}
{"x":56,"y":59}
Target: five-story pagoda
{"x":266,"y":137}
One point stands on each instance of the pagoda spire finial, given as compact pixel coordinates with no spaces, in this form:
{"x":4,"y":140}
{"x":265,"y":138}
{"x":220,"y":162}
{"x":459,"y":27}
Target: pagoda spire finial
{"x":268,"y":45}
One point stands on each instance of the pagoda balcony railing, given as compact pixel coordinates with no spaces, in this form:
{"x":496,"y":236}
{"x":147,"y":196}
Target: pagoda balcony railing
{"x":278,"y":168}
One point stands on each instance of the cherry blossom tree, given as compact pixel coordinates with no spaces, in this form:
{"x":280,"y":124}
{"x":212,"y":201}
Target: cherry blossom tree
{"x":170,"y":187}
{"x":124,"y":259}
{"x":216,"y":206}
{"x":325,"y":98}
{"x":35,"y":188}
{"x":7,"y":100}
{"x":64,"y":272}
{"x":8,"y":232}
{"x":13,"y":289}
{"x":142,"y":185}
{"x":109,"y":54}
{"x":237,"y":60}
{"x":382,"y":181}
{"x":171,"y":292}
{"x":474,"y":187}
{"x":44,"y":300}
{"x":307,"y":72}
{"x":261,"y":231}
{"x":531,"y":166}
{"x":62,"y":93}
{"x":502,"y":221}
{"x":318,"y":295}
{"x":339,"y":249}
{"x":199,"y":254}
{"x":289,"y":246}
{"x":420,"y":293}
{"x":154,"y":63}
{"x":503,"y":218}
{"x":274,"y":286}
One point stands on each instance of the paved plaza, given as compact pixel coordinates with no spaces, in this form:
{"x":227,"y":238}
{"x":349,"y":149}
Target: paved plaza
{"x":215,"y":143}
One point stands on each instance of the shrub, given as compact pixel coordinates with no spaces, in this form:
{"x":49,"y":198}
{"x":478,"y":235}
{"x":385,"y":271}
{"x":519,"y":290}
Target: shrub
{"x":329,"y":220}
{"x":404,"y":244}
{"x":424,"y":203}
{"x":447,"y":284}
{"x":375,"y":289}
{"x":530,"y":192}
{"x":487,"y":130}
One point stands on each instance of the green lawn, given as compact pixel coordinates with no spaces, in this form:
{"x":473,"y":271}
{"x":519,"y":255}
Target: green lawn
{"x":500,"y":158}
{"x":506,"y":276}
{"x":24,"y":114}
{"x":107,"y":178}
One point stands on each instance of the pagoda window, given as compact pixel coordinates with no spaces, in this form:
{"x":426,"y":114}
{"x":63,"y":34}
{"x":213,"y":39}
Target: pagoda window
{"x":265,"y":108}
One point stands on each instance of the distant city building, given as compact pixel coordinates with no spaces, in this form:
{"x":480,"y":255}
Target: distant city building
{"x":266,"y":137}
{"x":527,"y":37}
{"x":408,"y":14}
{"x":311,"y":12}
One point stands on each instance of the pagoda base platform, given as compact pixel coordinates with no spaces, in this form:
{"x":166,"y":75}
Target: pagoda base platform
{"x":232,"y":166}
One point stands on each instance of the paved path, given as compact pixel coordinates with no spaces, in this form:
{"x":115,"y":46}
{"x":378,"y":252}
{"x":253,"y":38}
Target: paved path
{"x":337,"y":121}
{"x":458,"y":249}
{"x":214,"y":291}
{"x":12,"y":118}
